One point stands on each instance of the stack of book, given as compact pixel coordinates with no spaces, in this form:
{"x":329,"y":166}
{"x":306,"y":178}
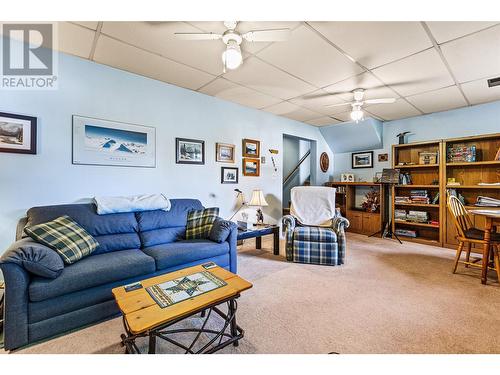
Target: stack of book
{"x":418,"y":216}
{"x":419,"y":196}
{"x":402,"y":199}
{"x":400,"y":215}
{"x":406,"y":232}
{"x":461,"y":153}
{"x":487,"y":202}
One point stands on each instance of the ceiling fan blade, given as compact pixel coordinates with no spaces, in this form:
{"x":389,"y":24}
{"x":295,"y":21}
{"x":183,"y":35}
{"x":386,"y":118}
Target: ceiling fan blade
{"x":380,"y":101}
{"x":198,"y":36}
{"x":339,"y":104}
{"x":273,"y":35}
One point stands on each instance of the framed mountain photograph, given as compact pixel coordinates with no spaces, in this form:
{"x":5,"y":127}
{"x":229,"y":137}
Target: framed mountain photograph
{"x":189,"y":151}
{"x":229,"y":175}
{"x":113,"y":143}
{"x":362,"y":159}
{"x":251,"y":148}
{"x":251,"y":167}
{"x":224,"y":152}
{"x":17,"y":133}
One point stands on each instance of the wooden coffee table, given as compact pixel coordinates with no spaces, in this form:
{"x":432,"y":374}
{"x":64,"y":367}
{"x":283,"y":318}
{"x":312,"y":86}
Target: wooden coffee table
{"x":143,"y":317}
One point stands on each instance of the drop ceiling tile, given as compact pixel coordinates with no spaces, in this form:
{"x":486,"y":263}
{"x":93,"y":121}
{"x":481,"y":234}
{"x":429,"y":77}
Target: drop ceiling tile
{"x":246,"y":26}
{"x":323,"y":121}
{"x":292,"y":111}
{"x":126,"y":57}
{"x":319,"y":100}
{"x":224,"y":89}
{"x":438,"y":100}
{"x":375,"y":43}
{"x":309,"y":57}
{"x":475,"y":56}
{"x":158,"y":37}
{"x":399,"y":109}
{"x":374,"y":88}
{"x":478,"y":91}
{"x":74,"y":39}
{"x":89,"y":24}
{"x":422,"y":72}
{"x":444,"y":31}
{"x":265,"y":78}
{"x":344,"y":116}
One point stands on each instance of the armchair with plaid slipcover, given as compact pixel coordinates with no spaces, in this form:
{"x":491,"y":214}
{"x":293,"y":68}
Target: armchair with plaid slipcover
{"x":315,"y":230}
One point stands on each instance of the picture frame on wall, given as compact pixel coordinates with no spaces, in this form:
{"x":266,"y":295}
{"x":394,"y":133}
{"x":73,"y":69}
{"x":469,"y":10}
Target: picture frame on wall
{"x":362,"y":159}
{"x":251,"y":167}
{"x":17,"y":133}
{"x":189,"y":151}
{"x":224,"y":152}
{"x":113,"y":143}
{"x":229,"y":175}
{"x":251,"y":148}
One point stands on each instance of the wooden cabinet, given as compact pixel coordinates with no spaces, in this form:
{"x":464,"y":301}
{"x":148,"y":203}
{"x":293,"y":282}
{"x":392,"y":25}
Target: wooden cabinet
{"x":363,"y":222}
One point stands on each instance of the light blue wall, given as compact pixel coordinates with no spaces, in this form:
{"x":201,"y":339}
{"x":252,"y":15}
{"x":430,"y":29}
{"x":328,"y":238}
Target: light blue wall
{"x":462,"y":122}
{"x":90,"y":89}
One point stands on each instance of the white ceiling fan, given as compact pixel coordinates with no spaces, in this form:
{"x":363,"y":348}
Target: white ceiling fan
{"x":357,"y":113}
{"x":231,"y":57}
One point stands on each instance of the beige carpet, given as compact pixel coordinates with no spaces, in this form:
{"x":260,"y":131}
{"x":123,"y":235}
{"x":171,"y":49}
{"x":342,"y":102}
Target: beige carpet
{"x":387,"y":298}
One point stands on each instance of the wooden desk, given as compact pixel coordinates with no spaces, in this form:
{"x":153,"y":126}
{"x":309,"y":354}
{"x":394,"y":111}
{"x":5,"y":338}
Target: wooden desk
{"x":491,"y":216}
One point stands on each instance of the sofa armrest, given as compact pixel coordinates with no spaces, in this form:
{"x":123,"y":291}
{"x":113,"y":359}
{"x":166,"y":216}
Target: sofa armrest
{"x":17,"y":280}
{"x":233,"y":251}
{"x":289,"y":224}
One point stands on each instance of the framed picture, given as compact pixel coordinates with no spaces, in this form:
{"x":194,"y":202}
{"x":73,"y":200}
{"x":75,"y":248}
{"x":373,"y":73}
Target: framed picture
{"x":251,"y":167}
{"x":251,"y":148}
{"x":17,"y":133}
{"x":189,"y":151}
{"x":383,"y":157}
{"x":362,"y":159}
{"x":224,"y":153}
{"x":347,"y":177}
{"x":104,"y":142}
{"x":229,"y":175}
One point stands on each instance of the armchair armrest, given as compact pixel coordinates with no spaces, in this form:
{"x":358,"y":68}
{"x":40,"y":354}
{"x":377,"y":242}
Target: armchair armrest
{"x":289,"y":224}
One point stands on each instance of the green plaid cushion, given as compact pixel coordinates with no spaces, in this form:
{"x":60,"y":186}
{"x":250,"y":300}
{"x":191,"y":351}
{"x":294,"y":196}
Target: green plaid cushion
{"x":200,"y":222}
{"x":65,"y":236}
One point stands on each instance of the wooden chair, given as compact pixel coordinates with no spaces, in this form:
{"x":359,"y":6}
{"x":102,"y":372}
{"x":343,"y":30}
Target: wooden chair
{"x":467,"y":235}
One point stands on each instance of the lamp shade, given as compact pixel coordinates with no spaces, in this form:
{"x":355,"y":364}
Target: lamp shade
{"x":258,"y":199}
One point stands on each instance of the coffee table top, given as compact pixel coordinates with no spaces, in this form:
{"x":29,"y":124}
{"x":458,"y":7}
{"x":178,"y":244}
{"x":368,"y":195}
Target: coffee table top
{"x":142,"y":313}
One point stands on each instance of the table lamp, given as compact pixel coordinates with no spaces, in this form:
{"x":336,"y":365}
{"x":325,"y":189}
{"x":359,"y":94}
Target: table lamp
{"x":259,"y":201}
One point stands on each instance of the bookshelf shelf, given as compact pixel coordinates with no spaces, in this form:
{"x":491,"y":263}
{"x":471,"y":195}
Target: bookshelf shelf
{"x":477,"y":187}
{"x":417,"y":166}
{"x":413,"y":223}
{"x":474,"y":164}
{"x":418,"y":186}
{"x":424,"y":205}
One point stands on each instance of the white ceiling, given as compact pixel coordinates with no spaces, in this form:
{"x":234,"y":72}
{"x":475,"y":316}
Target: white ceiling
{"x":427,"y":66}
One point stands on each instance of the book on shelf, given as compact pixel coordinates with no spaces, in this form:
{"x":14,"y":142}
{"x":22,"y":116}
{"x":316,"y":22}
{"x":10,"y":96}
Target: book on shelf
{"x":487,"y":202}
{"x":418,"y":216}
{"x":406,"y":233}
{"x":489,"y":184}
{"x":461,"y":153}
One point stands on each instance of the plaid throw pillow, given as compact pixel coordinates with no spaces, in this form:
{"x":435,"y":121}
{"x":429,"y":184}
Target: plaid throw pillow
{"x":200,"y":222}
{"x":65,"y":236}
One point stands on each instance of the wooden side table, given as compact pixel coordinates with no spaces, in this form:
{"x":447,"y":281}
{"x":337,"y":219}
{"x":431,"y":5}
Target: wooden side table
{"x":259,"y":231}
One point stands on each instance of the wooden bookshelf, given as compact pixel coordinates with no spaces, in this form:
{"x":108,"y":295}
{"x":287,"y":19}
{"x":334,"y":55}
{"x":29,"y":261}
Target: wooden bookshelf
{"x":434,"y":177}
{"x":361,"y":222}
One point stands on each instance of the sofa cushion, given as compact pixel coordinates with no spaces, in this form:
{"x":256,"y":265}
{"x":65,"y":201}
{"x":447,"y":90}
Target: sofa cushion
{"x":92,"y":271}
{"x":314,"y":234}
{"x":221,"y":230}
{"x":34,"y":257}
{"x":180,"y":252}
{"x":200,"y":222}
{"x":64,"y":235}
{"x":113,"y":232}
{"x":157,"y":227}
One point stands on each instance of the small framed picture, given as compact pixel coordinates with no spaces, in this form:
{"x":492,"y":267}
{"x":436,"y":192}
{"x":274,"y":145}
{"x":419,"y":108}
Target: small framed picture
{"x":189,"y":151}
{"x":224,"y":152}
{"x":17,"y":133}
{"x":229,"y":175}
{"x":362,"y":159}
{"x":251,"y":148}
{"x":251,"y":167}
{"x":383,"y":157}
{"x":347,"y":177}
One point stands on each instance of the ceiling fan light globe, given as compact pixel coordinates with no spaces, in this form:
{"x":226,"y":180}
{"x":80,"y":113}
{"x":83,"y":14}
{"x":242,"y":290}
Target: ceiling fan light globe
{"x":232,"y":57}
{"x":357,"y":115}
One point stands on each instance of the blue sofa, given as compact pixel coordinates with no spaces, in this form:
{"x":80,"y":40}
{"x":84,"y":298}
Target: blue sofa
{"x":132,"y":247}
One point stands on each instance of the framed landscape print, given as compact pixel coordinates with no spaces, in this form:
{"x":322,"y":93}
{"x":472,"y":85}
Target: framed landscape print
{"x":251,"y":167}
{"x":189,"y":151}
{"x":113,"y":143}
{"x":17,"y":133}
{"x":251,"y":148}
{"x":229,"y":175}
{"x":224,"y":152}
{"x":362,"y":159}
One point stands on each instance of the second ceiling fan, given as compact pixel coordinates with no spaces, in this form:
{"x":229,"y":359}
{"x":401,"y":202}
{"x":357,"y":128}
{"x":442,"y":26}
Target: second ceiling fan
{"x":232,"y":57}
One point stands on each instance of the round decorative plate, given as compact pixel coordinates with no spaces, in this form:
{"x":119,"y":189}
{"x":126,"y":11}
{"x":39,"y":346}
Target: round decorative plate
{"x":324,"y":162}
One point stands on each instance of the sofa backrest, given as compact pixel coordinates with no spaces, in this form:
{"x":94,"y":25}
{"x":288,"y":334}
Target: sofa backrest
{"x":113,"y":232}
{"x":158,"y":227}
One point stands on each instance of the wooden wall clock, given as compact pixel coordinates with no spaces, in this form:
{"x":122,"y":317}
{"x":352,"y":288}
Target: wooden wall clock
{"x":324,"y":162}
